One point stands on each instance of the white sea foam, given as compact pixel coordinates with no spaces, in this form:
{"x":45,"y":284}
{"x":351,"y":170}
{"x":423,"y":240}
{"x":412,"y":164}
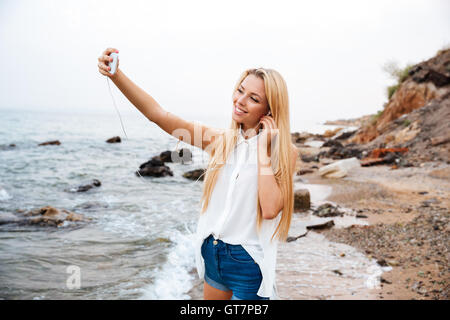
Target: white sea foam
{"x":173,"y":280}
{"x":4,"y":195}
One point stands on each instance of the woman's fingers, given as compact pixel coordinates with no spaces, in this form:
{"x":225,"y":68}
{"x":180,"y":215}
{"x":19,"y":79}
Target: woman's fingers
{"x":271,"y":122}
{"x":268,"y":123}
{"x":105,"y":58}
{"x":104,"y":67}
{"x":104,"y":72}
{"x":108,"y":51}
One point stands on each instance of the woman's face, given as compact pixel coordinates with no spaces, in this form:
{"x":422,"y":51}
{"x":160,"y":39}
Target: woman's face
{"x":250,"y":102}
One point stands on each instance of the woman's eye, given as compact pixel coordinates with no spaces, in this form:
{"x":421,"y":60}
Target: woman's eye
{"x":240,"y":91}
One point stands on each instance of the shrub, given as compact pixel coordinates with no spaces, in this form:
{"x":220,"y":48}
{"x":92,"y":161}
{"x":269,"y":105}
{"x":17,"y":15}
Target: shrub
{"x":375,"y":117}
{"x":391,"y":90}
{"x":396,"y":73}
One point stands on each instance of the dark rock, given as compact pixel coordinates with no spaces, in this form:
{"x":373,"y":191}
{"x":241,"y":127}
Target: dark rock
{"x":195,"y":174}
{"x":306,"y":158}
{"x":115,"y":139}
{"x":338,"y":272}
{"x":382,"y":262}
{"x":383,"y":280}
{"x":321,"y":226}
{"x":436,"y":72}
{"x":156,"y":161}
{"x":166,"y":156}
{"x":290,"y":239}
{"x":154,"y":168}
{"x":332,"y":143}
{"x":344,"y":153}
{"x":304,"y":171}
{"x":302,"y":200}
{"x":327,"y":210}
{"x":53,"y":142}
{"x":86,"y":187}
{"x":346,"y":135}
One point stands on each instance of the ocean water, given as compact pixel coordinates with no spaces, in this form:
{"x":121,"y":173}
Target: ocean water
{"x":137,"y":244}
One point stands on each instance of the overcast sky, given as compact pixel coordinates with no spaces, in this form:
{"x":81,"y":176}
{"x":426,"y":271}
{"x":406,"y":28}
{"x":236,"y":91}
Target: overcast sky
{"x":189,"y":54}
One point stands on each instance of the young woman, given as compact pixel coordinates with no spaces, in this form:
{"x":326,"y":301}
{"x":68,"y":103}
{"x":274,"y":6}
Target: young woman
{"x":247,"y":199}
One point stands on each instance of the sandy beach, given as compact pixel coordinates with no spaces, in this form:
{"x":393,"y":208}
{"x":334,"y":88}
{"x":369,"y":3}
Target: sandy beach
{"x":407,"y":212}
{"x":407,"y":230}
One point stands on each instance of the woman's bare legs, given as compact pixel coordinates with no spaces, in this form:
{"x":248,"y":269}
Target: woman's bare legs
{"x":211,"y":293}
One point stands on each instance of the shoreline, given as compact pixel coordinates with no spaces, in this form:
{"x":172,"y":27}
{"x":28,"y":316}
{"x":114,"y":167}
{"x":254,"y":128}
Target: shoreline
{"x":407,"y":211}
{"x":407,"y":215}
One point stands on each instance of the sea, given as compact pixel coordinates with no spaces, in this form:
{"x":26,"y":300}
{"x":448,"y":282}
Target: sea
{"x":137,"y":240}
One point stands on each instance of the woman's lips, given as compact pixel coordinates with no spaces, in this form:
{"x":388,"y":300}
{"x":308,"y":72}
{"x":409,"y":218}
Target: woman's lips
{"x":238,"y":112}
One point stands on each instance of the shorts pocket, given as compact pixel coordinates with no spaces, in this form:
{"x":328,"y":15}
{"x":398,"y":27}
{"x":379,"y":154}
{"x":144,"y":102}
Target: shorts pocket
{"x":239,"y":254}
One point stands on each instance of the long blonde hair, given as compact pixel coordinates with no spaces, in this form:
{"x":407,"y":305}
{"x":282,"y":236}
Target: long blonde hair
{"x":221,"y":147}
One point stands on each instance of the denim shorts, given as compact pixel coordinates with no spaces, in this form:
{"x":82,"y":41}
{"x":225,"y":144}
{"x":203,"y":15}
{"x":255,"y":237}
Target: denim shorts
{"x":230,"y":267}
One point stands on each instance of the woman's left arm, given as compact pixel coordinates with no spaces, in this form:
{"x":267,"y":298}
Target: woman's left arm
{"x":269,"y":192}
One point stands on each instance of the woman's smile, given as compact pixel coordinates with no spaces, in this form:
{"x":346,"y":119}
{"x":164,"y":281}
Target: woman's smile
{"x":239,"y":111}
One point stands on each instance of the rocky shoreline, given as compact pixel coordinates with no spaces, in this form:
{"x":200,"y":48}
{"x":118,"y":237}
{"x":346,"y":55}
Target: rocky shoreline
{"x":408,"y":215}
{"x":394,"y":169}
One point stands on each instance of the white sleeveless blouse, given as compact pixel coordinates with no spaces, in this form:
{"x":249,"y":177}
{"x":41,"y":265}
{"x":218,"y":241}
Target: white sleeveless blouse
{"x":231,"y":214}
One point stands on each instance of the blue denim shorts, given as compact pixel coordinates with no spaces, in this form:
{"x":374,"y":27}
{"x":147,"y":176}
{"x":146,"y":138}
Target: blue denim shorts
{"x":230,"y":267}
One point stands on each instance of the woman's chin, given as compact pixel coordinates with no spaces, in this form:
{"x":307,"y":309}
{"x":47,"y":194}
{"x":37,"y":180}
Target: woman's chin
{"x":236,"y":118}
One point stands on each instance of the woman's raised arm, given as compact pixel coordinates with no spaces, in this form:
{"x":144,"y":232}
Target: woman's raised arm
{"x":193,"y":133}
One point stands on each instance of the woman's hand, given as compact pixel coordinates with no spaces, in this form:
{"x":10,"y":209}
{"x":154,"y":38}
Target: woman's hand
{"x":268,"y":134}
{"x":104,"y":60}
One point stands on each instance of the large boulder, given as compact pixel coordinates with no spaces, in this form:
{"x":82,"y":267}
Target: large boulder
{"x":339,"y":168}
{"x":154,"y":168}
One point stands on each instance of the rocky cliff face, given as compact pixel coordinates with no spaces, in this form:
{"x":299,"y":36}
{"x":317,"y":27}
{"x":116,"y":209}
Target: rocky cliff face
{"x":427,"y":81}
{"x":418,"y":114}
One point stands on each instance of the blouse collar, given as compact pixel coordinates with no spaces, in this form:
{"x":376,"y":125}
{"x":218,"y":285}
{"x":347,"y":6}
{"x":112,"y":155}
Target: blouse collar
{"x":241,"y":137}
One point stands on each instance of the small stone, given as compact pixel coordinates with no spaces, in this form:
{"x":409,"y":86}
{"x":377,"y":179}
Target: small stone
{"x":382,"y":262}
{"x":393,"y":263}
{"x":337,"y":272}
{"x":383,"y":280}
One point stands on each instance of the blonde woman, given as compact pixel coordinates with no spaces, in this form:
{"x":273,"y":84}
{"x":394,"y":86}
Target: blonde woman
{"x":247,"y":199}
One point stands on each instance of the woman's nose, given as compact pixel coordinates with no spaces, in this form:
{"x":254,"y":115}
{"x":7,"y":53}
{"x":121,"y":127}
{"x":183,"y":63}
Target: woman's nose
{"x":241,"y":100}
